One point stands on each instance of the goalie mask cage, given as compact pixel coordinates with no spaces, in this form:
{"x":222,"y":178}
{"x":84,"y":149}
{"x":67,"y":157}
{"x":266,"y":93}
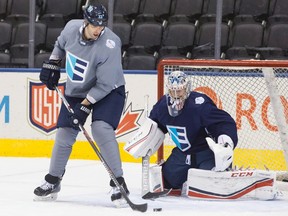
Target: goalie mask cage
{"x":254,"y":93}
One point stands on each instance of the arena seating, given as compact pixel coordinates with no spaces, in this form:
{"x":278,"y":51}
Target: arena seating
{"x":151,"y":30}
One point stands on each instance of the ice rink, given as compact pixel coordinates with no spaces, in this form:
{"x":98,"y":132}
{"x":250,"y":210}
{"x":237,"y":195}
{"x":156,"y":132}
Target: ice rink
{"x":86,"y":191}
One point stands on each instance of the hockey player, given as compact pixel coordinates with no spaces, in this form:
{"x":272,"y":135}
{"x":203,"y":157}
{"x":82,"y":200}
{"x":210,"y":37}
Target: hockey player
{"x":205,"y":137}
{"x":189,"y":117}
{"x":95,"y":84}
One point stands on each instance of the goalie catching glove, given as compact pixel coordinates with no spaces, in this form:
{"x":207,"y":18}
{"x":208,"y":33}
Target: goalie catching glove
{"x":146,"y":141}
{"x":223,"y":152}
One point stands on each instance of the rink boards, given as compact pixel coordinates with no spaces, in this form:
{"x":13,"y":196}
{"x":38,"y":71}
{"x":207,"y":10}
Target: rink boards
{"x":28,"y":115}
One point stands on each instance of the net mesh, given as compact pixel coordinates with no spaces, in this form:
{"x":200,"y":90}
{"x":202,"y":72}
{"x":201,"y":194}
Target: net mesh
{"x":242,"y":92}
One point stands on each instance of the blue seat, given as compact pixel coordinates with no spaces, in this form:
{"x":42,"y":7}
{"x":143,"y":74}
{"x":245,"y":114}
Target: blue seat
{"x":21,"y":34}
{"x":139,"y":58}
{"x":147,"y":33}
{"x":160,"y":9}
{"x":180,"y":34}
{"x":3,"y":9}
{"x":127,"y":9}
{"x":18,"y":12}
{"x":122,"y":28}
{"x":245,"y":35}
{"x":5,"y":36}
{"x":210,"y":7}
{"x":257,"y":10}
{"x":278,"y":7}
{"x":69,"y":9}
{"x":191,"y":9}
{"x":5,"y":59}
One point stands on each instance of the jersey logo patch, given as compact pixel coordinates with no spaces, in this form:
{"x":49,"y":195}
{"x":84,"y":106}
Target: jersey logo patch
{"x":110,"y":44}
{"x":76,"y":68}
{"x":199,"y":100}
{"x":179,"y":137}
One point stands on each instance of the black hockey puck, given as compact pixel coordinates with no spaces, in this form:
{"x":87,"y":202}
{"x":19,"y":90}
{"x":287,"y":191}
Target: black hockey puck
{"x":157,"y":209}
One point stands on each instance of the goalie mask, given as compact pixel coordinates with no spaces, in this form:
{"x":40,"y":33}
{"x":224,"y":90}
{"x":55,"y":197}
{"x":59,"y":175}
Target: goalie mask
{"x":178,"y":90}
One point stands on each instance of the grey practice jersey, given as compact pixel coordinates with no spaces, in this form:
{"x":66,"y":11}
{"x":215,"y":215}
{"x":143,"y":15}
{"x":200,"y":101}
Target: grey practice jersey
{"x":93,"y":68}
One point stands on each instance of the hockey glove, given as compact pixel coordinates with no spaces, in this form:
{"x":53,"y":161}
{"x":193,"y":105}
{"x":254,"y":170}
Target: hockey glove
{"x":80,"y":115}
{"x":223,"y":152}
{"x":50,"y":74}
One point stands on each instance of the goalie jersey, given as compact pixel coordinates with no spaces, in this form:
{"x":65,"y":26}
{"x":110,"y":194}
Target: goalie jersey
{"x":199,"y":118}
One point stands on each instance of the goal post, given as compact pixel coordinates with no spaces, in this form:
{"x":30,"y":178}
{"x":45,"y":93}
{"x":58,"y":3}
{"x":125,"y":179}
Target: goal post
{"x":254,"y":93}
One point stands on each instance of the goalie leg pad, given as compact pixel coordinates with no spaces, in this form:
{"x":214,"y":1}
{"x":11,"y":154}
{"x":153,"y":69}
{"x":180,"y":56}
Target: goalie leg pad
{"x":156,"y":179}
{"x":231,"y":185}
{"x":156,"y":182}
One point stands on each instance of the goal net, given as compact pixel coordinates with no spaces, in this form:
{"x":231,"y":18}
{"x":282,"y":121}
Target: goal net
{"x":255,"y":93}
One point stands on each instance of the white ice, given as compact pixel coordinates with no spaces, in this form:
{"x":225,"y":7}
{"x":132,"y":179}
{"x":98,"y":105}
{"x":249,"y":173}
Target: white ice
{"x":86,"y":192}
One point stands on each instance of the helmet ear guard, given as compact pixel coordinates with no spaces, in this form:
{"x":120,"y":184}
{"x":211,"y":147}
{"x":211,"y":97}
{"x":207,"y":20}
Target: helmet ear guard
{"x":95,"y":14}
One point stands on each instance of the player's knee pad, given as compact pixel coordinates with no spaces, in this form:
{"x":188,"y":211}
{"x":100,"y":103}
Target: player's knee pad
{"x":102,"y":133}
{"x":66,"y":136}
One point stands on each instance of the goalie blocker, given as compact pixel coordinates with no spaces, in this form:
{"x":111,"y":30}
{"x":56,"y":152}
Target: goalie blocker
{"x":146,"y":141}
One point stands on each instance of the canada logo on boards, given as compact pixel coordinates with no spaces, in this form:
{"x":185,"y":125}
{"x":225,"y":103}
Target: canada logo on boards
{"x":44,"y":106}
{"x":129,"y":119}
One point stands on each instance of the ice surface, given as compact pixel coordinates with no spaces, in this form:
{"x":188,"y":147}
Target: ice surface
{"x":86,"y":192}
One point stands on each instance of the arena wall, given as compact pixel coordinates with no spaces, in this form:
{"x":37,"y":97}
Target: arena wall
{"x":28,"y":114}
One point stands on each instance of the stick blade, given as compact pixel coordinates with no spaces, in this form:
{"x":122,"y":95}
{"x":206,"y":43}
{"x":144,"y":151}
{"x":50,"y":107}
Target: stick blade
{"x":155,"y":195}
{"x":136,"y":207}
{"x":139,"y":207}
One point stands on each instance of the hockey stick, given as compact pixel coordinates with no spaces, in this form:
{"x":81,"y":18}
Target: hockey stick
{"x":136,"y":207}
{"x":146,"y":194}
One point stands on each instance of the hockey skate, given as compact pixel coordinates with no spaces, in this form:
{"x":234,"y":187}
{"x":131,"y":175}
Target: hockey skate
{"x":48,"y":191}
{"x":116,"y":196}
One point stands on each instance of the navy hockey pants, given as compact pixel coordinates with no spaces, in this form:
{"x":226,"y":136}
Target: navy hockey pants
{"x":108,"y":109}
{"x":175,"y":169}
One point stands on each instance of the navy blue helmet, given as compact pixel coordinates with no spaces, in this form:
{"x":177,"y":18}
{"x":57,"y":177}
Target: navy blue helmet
{"x":96,"y":14}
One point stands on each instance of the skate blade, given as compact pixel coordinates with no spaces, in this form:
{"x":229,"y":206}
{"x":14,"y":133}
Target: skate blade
{"x":120,"y":203}
{"x":50,"y":197}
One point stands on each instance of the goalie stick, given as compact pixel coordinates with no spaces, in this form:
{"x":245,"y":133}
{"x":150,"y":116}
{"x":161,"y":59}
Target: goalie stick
{"x":136,"y":207}
{"x":146,"y":194}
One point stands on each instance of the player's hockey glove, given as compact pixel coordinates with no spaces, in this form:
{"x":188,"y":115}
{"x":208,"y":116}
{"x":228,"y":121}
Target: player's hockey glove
{"x":80,"y":115}
{"x":50,"y":74}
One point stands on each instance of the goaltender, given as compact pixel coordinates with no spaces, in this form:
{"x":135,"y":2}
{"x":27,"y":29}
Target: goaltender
{"x":205,"y":138}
